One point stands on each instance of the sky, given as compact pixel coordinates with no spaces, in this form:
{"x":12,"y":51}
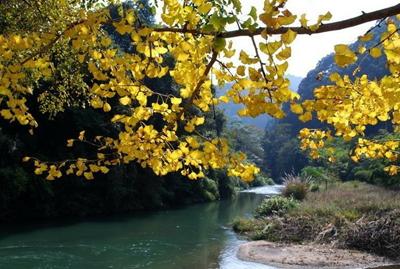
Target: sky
{"x":308,"y":50}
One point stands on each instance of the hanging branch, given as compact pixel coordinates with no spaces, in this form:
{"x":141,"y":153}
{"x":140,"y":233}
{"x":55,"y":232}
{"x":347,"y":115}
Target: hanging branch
{"x":329,"y":27}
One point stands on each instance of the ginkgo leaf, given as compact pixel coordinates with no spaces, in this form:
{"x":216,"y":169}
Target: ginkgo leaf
{"x":88,"y":175}
{"x":296,"y":108}
{"x":284,"y":54}
{"x":224,"y":99}
{"x":344,"y":55}
{"x":205,"y":8}
{"x":241,"y":70}
{"x":106,"y":107}
{"x":366,"y":37}
{"x":70,"y":142}
{"x":303,"y":21}
{"x":81,"y":135}
{"x":375,"y":52}
{"x":326,"y":17}
{"x":288,"y":37}
{"x":125,"y":100}
{"x":176,"y":100}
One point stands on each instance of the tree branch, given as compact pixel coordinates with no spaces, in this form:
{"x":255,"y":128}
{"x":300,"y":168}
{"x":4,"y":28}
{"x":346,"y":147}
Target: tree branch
{"x":329,"y":27}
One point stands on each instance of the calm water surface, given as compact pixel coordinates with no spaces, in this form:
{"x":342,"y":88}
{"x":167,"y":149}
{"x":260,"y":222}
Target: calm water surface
{"x":194,"y":237}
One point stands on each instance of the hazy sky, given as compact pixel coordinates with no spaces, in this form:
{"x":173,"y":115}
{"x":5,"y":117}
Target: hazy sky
{"x":308,"y":50}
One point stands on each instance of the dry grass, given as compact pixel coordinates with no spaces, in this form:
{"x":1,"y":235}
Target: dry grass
{"x":351,"y":200}
{"x":352,"y":214}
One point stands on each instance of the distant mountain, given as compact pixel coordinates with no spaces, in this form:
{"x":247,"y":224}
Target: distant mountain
{"x":261,"y":121}
{"x":294,"y":82}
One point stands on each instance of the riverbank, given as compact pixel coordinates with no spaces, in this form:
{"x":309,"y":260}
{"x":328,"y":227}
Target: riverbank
{"x":349,"y":215}
{"x":307,"y":256}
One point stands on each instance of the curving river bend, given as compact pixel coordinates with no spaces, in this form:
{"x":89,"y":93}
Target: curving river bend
{"x":194,"y":237}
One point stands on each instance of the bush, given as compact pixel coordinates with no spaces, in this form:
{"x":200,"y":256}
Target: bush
{"x":261,"y":180}
{"x":241,"y":225}
{"x":295,"y":186}
{"x":276,"y":205}
{"x":317,"y":173}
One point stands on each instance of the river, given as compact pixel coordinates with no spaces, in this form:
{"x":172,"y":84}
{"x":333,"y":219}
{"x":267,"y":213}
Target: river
{"x":193,"y":237}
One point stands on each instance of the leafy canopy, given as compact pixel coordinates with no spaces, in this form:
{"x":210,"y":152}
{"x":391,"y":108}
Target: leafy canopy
{"x":193,"y":34}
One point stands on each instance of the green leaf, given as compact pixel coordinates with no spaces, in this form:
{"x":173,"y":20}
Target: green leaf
{"x":219,"y":44}
{"x":253,"y":13}
{"x":237,"y":5}
{"x":217,"y":22}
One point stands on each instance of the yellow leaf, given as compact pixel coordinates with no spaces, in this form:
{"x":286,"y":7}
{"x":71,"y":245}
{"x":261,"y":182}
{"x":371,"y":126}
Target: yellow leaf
{"x":376,"y":52}
{"x":96,"y":55}
{"x":106,"y":107}
{"x":6,"y":113}
{"x":70,"y":142}
{"x":205,"y":8}
{"x":296,"y":108}
{"x":130,"y":18}
{"x":284,"y":54}
{"x":303,"y":21}
{"x":286,"y":20}
{"x":81,"y":58}
{"x":81,"y":135}
{"x":325,"y":17}
{"x":344,"y":55}
{"x":189,"y":127}
{"x":241,"y":70}
{"x":125,"y":100}
{"x":104,"y":169}
{"x":199,"y":121}
{"x":229,"y":53}
{"x":224,"y":99}
{"x":88,"y":175}
{"x":288,"y":37}
{"x":366,"y":37}
{"x":306,"y":117}
{"x":161,"y":50}
{"x":26,"y":159}
{"x":176,"y":101}
{"x":141,"y":98}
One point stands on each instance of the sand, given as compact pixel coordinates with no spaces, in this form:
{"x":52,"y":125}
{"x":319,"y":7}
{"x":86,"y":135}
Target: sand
{"x":307,"y":256}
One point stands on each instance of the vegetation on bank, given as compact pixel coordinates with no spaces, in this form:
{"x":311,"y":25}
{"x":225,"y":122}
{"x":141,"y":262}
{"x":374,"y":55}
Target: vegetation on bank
{"x":352,"y":215}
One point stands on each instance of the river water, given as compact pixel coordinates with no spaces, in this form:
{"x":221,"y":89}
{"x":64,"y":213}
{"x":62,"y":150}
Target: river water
{"x":194,"y":237}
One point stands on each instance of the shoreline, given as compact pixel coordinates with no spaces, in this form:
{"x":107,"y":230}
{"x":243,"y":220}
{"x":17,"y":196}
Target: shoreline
{"x":308,"y":256}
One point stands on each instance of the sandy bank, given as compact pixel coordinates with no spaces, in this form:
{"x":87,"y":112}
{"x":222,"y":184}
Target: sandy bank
{"x":307,"y":256}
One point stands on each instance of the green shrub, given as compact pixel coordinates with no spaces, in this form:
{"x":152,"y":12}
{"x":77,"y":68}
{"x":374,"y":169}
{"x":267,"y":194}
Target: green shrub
{"x":261,"y":180}
{"x":276,"y":205}
{"x":316,"y":173}
{"x":241,"y":225}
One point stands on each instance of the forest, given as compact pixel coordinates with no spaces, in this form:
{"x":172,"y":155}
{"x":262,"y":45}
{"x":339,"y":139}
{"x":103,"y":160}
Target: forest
{"x":136,"y":108}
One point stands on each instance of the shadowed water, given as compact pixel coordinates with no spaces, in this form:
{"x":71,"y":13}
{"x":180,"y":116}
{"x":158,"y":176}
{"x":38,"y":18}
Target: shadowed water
{"x":192,"y":237}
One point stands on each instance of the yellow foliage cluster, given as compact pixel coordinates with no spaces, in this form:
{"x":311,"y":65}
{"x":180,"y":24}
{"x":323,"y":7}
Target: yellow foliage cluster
{"x":313,"y":140}
{"x":191,"y":35}
{"x":350,"y":105}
